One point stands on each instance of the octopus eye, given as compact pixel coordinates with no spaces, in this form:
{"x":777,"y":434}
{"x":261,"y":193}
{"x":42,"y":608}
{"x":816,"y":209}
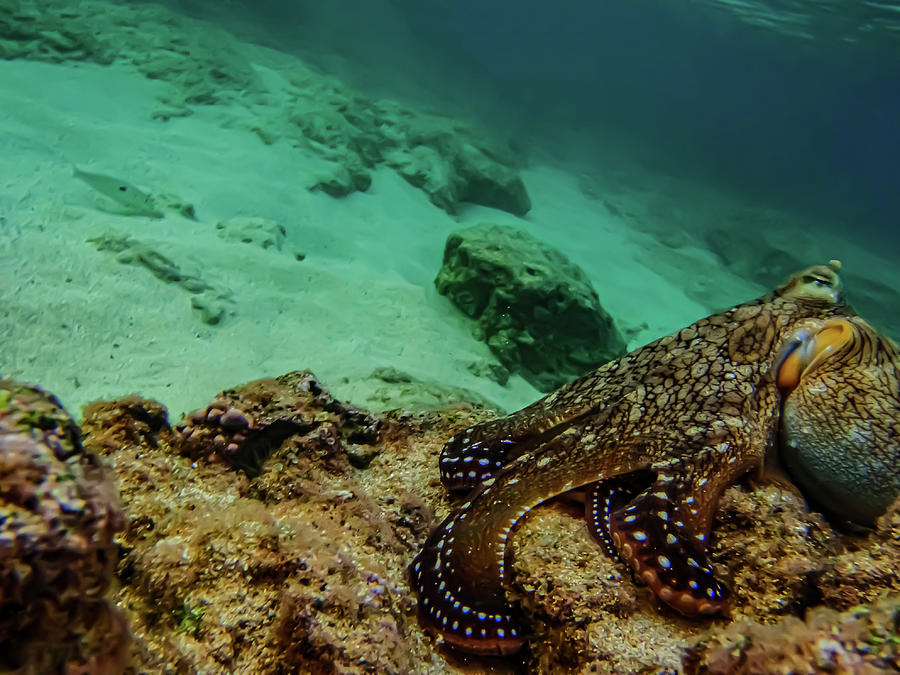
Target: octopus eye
{"x":818,"y":281}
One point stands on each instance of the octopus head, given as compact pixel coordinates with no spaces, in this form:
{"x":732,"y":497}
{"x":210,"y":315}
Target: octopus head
{"x":840,"y":423}
{"x":820,"y":282}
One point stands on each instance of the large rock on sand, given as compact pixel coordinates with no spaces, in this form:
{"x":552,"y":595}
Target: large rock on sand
{"x":535,"y":308}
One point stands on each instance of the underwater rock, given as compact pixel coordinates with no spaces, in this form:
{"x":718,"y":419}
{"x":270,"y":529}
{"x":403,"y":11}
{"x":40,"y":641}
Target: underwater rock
{"x":58,"y":516}
{"x":435,"y":154}
{"x":297,"y":569}
{"x":535,"y":309}
{"x":491,"y":370}
{"x":131,"y":420}
{"x":339,"y":179}
{"x":244,"y":425}
{"x":299,"y":566}
{"x":488,"y":182}
{"x":773,"y":550}
{"x":26,"y":33}
{"x":452,"y":172}
{"x":260,"y":232}
{"x":209,"y":303}
{"x":860,"y":640}
{"x":203,"y":64}
{"x":868,"y":570}
{"x":167,"y":47}
{"x":587,"y":613}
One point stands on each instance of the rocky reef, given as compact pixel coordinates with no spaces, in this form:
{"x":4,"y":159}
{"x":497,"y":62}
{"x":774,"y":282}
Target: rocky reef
{"x":270,"y":531}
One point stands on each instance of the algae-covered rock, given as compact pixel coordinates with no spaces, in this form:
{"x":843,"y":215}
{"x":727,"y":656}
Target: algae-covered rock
{"x":243,"y":425}
{"x":57,"y":554}
{"x":208,"y":302}
{"x":254,"y":230}
{"x":298,"y":567}
{"x":535,"y":308}
{"x":861,"y":640}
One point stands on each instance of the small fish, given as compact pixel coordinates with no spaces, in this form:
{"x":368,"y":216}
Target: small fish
{"x":136,"y":202}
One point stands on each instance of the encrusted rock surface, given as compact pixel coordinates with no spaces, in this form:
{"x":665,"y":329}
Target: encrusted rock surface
{"x":280,"y":550}
{"x":536,"y":309}
{"x":58,"y":515}
{"x":296,"y":561}
{"x":860,"y":640}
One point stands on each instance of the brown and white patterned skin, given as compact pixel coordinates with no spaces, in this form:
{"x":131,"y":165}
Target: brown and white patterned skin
{"x":682,"y":418}
{"x":840,"y":426}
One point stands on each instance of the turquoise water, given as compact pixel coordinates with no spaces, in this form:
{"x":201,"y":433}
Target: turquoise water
{"x":793,"y":104}
{"x":686,"y":155}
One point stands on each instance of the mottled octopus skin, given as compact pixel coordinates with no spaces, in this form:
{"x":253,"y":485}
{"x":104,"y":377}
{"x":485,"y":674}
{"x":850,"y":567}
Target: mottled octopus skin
{"x":689,"y":413}
{"x":840,"y":425}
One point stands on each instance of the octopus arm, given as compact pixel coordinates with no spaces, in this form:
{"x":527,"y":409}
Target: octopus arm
{"x":459,"y":574}
{"x":663,"y":532}
{"x":476,"y":454}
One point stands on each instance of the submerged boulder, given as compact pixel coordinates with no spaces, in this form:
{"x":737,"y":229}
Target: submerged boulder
{"x":535,"y":308}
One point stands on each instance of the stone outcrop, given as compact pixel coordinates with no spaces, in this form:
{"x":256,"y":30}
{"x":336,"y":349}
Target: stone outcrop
{"x":58,"y":516}
{"x":536,"y":310}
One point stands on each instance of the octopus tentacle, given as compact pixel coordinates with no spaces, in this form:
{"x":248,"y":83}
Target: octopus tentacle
{"x":466,"y":462}
{"x":475,"y":454}
{"x":664,"y":533}
{"x":698,"y":482}
{"x":461,"y":569}
{"x":602,"y":500}
{"x":653,"y":536}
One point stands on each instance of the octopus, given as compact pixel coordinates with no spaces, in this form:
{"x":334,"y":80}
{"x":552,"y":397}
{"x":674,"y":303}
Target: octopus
{"x":655,"y":438}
